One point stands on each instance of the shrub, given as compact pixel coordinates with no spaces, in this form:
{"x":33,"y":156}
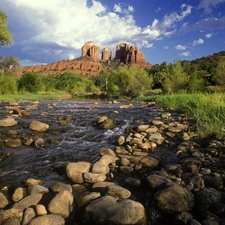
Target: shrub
{"x":8,"y":84}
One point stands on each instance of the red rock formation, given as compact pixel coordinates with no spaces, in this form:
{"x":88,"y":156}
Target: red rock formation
{"x":91,"y":49}
{"x":105,"y":54}
{"x":88,"y":64}
{"x":129,"y":54}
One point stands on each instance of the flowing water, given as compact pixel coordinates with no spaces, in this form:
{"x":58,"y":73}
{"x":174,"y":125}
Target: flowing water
{"x":77,"y":141}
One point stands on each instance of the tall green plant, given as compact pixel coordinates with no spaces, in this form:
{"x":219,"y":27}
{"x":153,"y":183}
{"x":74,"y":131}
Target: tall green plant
{"x":8,"y":84}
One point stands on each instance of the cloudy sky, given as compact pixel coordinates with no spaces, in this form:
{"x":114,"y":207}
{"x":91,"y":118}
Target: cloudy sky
{"x":47,"y":31}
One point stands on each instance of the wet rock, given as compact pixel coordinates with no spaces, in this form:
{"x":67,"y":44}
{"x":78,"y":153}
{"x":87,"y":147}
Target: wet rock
{"x":75,"y":171}
{"x":19,"y":194}
{"x":117,"y":192}
{"x":133,"y":182}
{"x":124,"y":161}
{"x":3,"y":201}
{"x":107,"y":151}
{"x":49,"y":219}
{"x":13,"y":143}
{"x":100,"y":168}
{"x":8,"y":122}
{"x":156,"y":138}
{"x":174,"y":199}
{"x":107,"y":210}
{"x":206,"y":198}
{"x":126,"y":169}
{"x":32,"y":181}
{"x":93,"y":177}
{"x":121,"y":140}
{"x":141,"y":128}
{"x":99,"y":186}
{"x":217,"y":182}
{"x":183,"y":217}
{"x":39,"y":126}
{"x":39,"y":143}
{"x":126,"y":106}
{"x":157,"y":122}
{"x":108,"y":124}
{"x":61,"y":204}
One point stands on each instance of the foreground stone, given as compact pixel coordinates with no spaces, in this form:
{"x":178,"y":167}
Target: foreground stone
{"x":107,"y":210}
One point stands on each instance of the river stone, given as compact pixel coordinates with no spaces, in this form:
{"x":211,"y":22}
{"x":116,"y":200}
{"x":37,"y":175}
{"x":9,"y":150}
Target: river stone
{"x":39,"y":126}
{"x":93,"y":177}
{"x":3,"y":201}
{"x":13,"y":143}
{"x":27,"y":201}
{"x":121,"y":140}
{"x":126,"y":106}
{"x":11,"y":221}
{"x":37,"y":189}
{"x":157,"y":122}
{"x":48,"y":219}
{"x":28,"y":215}
{"x":107,"y":159}
{"x":149,"y":162}
{"x":124,"y":161}
{"x":58,"y":186}
{"x":40,"y":210}
{"x":157,"y":182}
{"x":156,"y":138}
{"x":61,"y":204}
{"x":207,"y":197}
{"x":75,"y":171}
{"x":216,"y":182}
{"x":107,"y":210}
{"x":102,"y":119}
{"x":19,"y":194}
{"x":8,"y":122}
{"x":101,"y":185}
{"x":126,"y":169}
{"x":152,"y":129}
{"x":146,"y":146}
{"x":84,"y":200}
{"x":174,"y":199}
{"x":141,"y":128}
{"x":108,"y":124}
{"x":117,"y":192}
{"x":100,"y":168}
{"x":13,"y":213}
{"x":107,"y":151}
{"x":32,"y":181}
{"x":133,"y":182}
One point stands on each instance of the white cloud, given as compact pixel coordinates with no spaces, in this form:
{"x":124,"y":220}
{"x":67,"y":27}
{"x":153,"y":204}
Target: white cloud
{"x":209,"y":35}
{"x":207,"y":5}
{"x":117,"y":8}
{"x":66,"y":25}
{"x":197,"y":42}
{"x":187,"y":53}
{"x":180,"y":47}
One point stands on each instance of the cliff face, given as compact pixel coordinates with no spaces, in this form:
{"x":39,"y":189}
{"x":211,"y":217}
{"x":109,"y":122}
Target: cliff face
{"x":89,"y":64}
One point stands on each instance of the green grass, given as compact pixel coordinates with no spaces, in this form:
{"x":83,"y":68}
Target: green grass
{"x":208,"y":110}
{"x":34,"y":96}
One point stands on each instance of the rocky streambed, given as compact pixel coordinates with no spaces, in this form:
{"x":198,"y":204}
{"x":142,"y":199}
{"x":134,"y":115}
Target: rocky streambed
{"x":74,"y":162}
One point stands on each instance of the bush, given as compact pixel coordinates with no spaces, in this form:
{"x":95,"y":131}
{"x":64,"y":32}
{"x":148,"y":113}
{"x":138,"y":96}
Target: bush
{"x":31,"y":82}
{"x":8,"y":84}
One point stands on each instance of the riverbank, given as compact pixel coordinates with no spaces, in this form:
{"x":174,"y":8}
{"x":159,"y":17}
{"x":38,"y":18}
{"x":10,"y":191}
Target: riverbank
{"x":147,"y":168}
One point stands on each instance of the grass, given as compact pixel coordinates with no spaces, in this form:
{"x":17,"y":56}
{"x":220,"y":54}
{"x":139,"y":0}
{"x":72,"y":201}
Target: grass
{"x":34,"y":96}
{"x":208,"y":110}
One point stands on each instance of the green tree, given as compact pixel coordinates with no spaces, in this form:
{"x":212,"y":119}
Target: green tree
{"x":219,"y":76}
{"x":175,"y":78}
{"x":9,"y":65}
{"x":5,"y":36}
{"x":195,"y":83}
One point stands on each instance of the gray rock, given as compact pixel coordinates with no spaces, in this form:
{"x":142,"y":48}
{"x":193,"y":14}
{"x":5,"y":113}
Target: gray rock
{"x":174,"y":199}
{"x":11,"y":221}
{"x":84,"y":200}
{"x":133,"y":182}
{"x":48,"y":220}
{"x":107,"y":210}
{"x":217,"y":182}
{"x":61,"y":204}
{"x":28,"y":215}
{"x":37,"y":189}
{"x":58,"y":186}
{"x":27,"y":201}
{"x":117,"y":192}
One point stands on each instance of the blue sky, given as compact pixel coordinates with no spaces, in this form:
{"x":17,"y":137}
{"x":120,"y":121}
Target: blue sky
{"x":48,"y":31}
